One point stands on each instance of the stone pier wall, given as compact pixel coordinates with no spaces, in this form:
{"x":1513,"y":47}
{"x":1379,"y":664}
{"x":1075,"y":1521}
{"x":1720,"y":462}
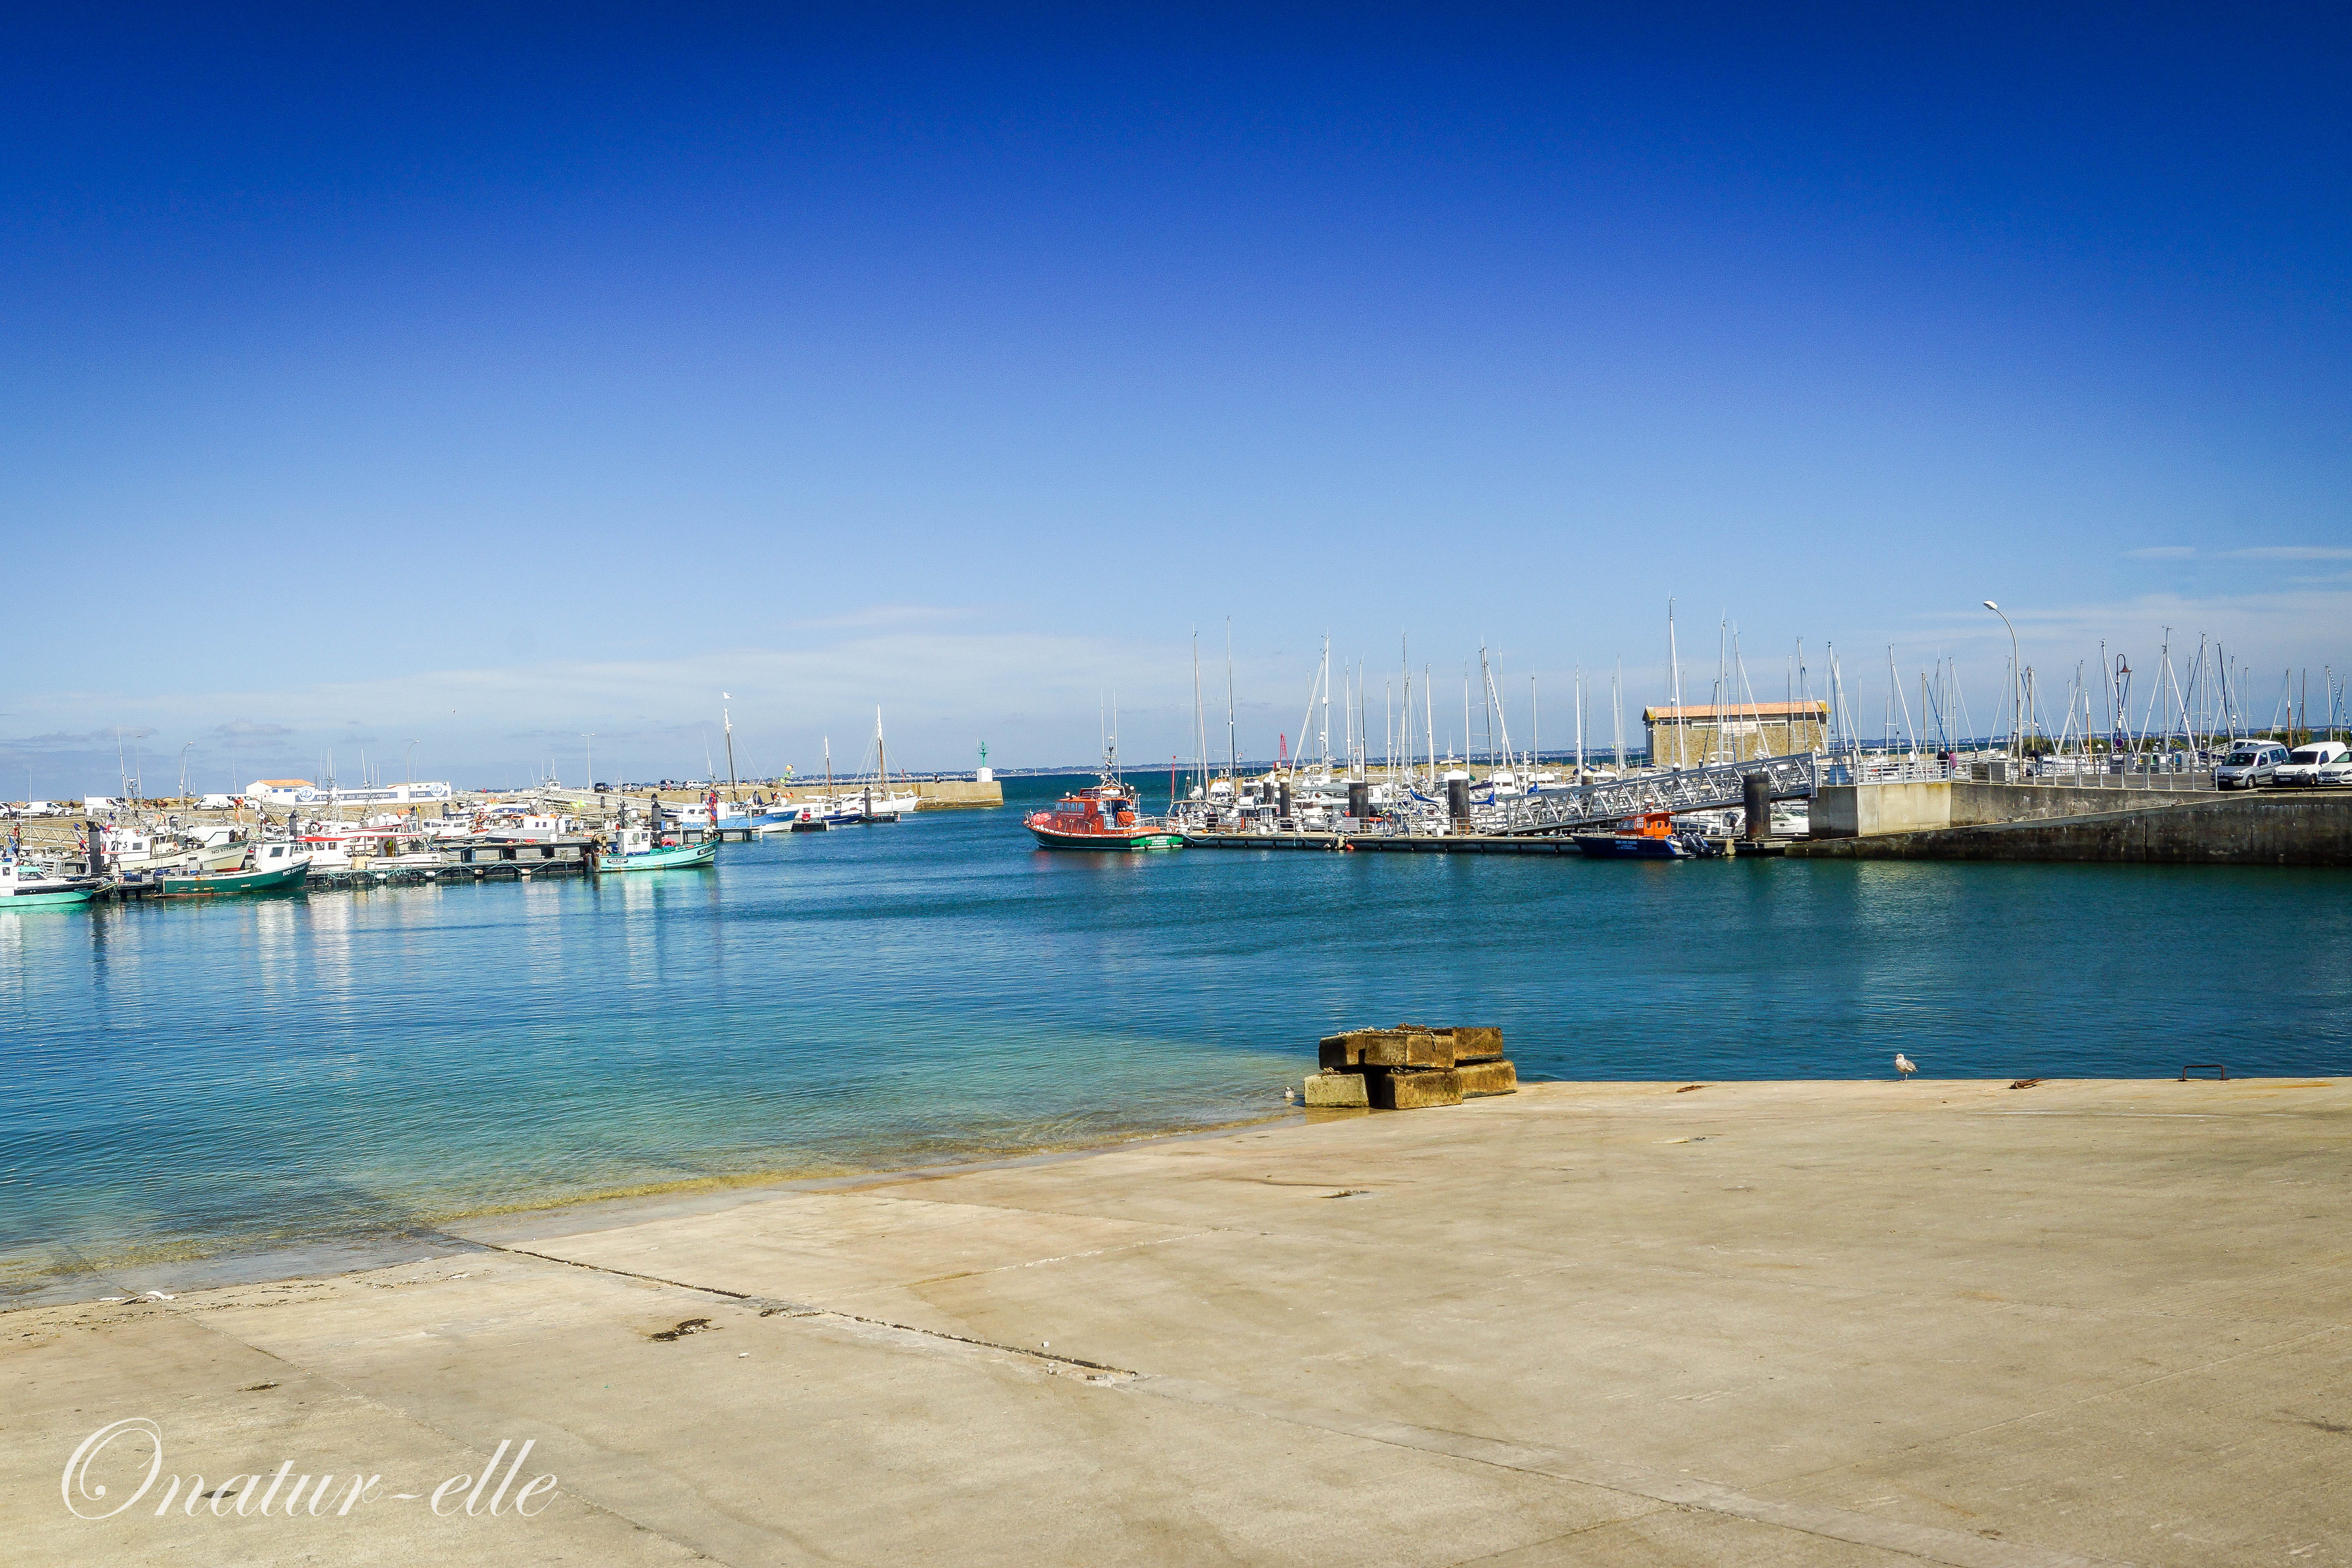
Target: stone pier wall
{"x":1867,"y":811}
{"x":2272,"y":828}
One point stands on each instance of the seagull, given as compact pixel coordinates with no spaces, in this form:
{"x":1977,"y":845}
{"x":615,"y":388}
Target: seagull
{"x":1903,"y":1065}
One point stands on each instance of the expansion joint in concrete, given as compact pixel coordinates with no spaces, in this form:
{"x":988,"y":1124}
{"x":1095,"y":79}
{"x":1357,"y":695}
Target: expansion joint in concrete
{"x":1926,"y":1542}
{"x":296,"y":1370}
{"x":771,"y":1308}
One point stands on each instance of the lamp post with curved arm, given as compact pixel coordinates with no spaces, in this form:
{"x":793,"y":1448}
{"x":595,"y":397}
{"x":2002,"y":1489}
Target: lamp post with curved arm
{"x":2016,"y":675}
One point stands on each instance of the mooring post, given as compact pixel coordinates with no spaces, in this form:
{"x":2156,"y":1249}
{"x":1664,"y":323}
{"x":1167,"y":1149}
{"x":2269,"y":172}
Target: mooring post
{"x":1756,"y":798}
{"x":1458,"y":800}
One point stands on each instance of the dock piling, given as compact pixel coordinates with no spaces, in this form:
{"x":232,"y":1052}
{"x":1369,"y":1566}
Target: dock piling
{"x":1755,"y":800}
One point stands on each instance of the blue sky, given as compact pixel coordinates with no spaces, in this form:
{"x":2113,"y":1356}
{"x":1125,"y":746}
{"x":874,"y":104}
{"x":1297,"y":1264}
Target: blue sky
{"x":487,"y":380}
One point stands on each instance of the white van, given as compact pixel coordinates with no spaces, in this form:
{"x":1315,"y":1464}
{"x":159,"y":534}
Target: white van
{"x":217,"y":803}
{"x":2249,"y":763}
{"x":101,"y":803}
{"x":2305,"y":763}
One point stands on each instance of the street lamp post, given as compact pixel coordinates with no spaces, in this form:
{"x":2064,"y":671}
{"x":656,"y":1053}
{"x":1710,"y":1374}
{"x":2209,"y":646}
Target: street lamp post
{"x":2016,"y":674}
{"x":590,"y":736}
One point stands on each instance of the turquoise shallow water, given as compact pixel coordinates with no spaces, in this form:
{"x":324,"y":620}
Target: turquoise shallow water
{"x":188,"y":1081}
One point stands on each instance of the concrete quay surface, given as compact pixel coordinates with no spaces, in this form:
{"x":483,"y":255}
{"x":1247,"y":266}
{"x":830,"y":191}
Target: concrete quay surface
{"x":1755,"y":1323}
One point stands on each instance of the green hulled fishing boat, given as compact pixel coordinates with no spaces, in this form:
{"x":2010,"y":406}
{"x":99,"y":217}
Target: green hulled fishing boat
{"x":278,"y":867}
{"x":24,"y":885}
{"x":638,"y":851}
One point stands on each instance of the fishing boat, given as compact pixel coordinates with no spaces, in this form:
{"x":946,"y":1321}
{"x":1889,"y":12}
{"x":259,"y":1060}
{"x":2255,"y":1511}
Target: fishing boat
{"x":135,"y":852}
{"x":278,"y":867}
{"x":1649,"y":836}
{"x":24,"y":885}
{"x":1102,"y":816}
{"x":638,"y":851}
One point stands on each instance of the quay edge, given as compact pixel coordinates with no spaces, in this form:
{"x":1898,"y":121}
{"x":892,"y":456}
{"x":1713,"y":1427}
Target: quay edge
{"x":2268,"y":828}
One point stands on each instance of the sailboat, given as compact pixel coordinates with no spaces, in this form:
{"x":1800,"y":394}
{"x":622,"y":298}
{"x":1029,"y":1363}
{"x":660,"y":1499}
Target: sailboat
{"x":876,"y":802}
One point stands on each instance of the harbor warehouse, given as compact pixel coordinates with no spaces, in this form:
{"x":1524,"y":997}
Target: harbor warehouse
{"x":1693,"y":737}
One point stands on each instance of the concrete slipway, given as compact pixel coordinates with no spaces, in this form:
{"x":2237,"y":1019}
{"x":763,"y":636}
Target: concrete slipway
{"x":1752,"y":1323}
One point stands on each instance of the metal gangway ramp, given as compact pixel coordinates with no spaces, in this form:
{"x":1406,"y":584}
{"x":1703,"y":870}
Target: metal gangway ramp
{"x":1795,"y":777}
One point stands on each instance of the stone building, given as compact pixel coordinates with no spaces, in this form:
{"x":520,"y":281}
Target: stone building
{"x":1694,"y":736}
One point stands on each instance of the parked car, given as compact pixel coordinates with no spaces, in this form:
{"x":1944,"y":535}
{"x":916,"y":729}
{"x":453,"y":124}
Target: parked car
{"x":2338,"y":772}
{"x":99,"y":802}
{"x":2304,"y":763}
{"x":2249,"y":763}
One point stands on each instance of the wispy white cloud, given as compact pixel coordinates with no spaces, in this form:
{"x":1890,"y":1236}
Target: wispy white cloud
{"x":888,"y":617}
{"x":2252,"y":552}
{"x":2276,"y":626}
{"x":942,"y":689}
{"x":245,"y":734}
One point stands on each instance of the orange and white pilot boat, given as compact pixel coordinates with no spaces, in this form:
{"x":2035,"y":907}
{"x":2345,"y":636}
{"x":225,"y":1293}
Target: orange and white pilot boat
{"x":1103,"y":816}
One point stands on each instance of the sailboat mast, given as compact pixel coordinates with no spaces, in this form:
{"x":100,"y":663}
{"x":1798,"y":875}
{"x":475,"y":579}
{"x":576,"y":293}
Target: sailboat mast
{"x":1617,"y":711}
{"x":1404,"y":674}
{"x":1675,"y":658}
{"x":1232,"y":744}
{"x":1199,"y":723}
{"x":1722,"y":690}
{"x":1487,"y":699}
{"x":728,"y":719}
{"x":1502,"y":720}
{"x":1429,"y":716}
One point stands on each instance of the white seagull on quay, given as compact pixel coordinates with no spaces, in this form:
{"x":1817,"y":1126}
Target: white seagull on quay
{"x":1903,"y":1065}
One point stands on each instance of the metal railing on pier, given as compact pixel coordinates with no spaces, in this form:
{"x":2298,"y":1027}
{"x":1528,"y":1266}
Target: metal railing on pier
{"x":1722,"y":784}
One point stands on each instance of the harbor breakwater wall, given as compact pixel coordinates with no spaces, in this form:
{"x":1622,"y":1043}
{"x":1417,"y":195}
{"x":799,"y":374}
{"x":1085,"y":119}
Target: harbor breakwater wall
{"x":2202,"y":828}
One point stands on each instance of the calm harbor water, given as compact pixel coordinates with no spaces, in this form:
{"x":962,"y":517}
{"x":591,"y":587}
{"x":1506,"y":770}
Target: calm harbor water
{"x":189,"y":1082}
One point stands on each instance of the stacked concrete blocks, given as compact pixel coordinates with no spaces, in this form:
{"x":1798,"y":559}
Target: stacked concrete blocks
{"x":1410,"y":1066}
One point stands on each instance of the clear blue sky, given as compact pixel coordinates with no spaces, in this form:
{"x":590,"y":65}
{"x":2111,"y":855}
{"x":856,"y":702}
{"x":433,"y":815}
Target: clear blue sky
{"x":406,"y":374}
